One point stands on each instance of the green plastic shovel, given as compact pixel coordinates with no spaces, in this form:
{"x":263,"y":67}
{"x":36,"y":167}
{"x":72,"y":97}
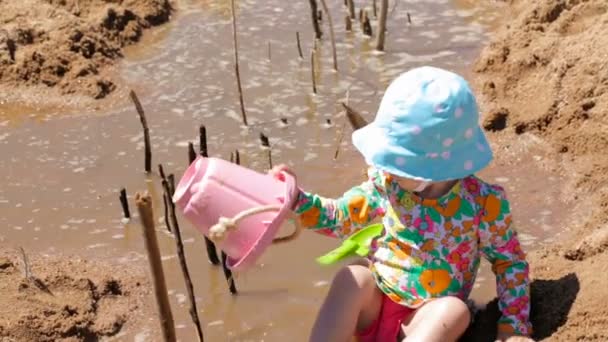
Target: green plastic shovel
{"x":356,"y":244}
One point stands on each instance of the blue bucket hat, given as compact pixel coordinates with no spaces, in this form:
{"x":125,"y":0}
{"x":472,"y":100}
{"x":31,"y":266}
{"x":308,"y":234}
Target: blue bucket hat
{"x":426,"y":128}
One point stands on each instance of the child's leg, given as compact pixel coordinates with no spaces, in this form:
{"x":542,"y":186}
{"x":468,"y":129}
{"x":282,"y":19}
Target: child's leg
{"x":443,"y":319}
{"x":352,"y":304}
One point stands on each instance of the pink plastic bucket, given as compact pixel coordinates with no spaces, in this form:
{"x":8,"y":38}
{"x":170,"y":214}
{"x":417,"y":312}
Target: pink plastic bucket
{"x":212,"y":188}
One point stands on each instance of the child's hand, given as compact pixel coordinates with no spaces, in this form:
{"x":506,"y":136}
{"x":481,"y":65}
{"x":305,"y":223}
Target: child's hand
{"x":512,"y":338}
{"x":277,"y":172}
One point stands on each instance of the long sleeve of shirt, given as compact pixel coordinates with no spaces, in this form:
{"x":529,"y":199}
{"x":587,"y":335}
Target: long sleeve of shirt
{"x":345,"y":215}
{"x":499,"y":244}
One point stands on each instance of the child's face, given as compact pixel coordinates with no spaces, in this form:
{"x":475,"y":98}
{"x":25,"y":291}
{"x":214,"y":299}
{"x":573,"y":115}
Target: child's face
{"x":410,"y":184}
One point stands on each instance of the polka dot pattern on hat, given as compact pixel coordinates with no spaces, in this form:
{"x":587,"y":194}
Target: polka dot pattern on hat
{"x":427,"y":127}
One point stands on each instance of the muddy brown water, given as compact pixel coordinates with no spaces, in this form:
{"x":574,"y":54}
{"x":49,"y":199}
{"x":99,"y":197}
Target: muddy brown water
{"x":62,"y":171}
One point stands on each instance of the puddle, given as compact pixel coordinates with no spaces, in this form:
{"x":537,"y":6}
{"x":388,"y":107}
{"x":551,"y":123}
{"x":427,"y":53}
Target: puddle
{"x":61,"y":176}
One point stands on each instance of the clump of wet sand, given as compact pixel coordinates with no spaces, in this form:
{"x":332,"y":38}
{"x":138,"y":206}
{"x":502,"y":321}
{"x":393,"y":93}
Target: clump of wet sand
{"x":68,"y":45}
{"x":67,"y":298}
{"x":545,"y":73}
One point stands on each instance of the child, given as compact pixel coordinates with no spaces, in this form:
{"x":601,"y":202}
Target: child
{"x":423,"y":148}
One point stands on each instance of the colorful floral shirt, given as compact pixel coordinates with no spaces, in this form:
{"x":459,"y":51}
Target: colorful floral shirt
{"x":431,"y":248}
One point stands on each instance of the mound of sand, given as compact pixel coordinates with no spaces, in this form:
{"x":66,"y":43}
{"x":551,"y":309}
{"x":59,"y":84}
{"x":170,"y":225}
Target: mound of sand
{"x":546,"y":73}
{"x":66,"y":299}
{"x":68,"y":44}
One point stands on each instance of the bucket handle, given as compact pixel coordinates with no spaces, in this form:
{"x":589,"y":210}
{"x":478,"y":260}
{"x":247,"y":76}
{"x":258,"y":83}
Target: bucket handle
{"x":218,"y":231}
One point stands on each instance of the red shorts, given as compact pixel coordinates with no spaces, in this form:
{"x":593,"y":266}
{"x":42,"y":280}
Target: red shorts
{"x":387,"y":326}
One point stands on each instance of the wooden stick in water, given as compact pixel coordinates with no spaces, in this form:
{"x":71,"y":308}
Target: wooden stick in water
{"x":228,"y":274}
{"x":348,"y":23}
{"x":171,"y":180}
{"x":184,"y":265}
{"x":312,"y":71}
{"x":381,"y":25}
{"x":340,"y":138}
{"x":202,"y":131}
{"x":266,"y":144}
{"x":144,"y":206}
{"x":144,"y":124}
{"x":236,"y":63}
{"x":209,"y":245}
{"x":320,"y":15}
{"x":191,"y":153}
{"x":409,"y":18}
{"x":375,"y":6}
{"x":315,"y":22}
{"x":367,"y":26}
{"x":351,"y":8}
{"x":161,"y":171}
{"x":124,"y":203}
{"x":356,"y":120}
{"x":166,"y":199}
{"x":237,"y":157}
{"x":331,"y":34}
{"x":234,"y":157}
{"x":299,"y":45}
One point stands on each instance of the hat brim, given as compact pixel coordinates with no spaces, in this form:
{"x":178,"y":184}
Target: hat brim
{"x":379,"y":151}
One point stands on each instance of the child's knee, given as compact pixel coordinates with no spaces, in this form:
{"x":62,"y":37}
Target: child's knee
{"x":458,"y":310}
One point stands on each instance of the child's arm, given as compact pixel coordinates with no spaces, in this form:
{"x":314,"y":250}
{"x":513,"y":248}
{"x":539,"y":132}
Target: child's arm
{"x":345,"y":215}
{"x":499,"y":244}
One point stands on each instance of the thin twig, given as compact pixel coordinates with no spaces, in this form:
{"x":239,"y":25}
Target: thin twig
{"x":375,"y":6}
{"x":312,"y":71}
{"x":171,"y":180}
{"x":166,"y":199}
{"x":209,"y":245}
{"x":144,"y":123}
{"x":315,"y":22}
{"x":27,"y":272}
{"x":367,"y":27}
{"x":299,"y":45}
{"x":351,"y":8}
{"x":161,"y":172}
{"x":144,"y":206}
{"x":191,"y":152}
{"x":340,"y":138}
{"x":184,"y":265}
{"x":266,"y":144}
{"x":29,"y":276}
{"x":124,"y":203}
{"x":342,"y":128}
{"x":202,"y":135}
{"x":331,"y":34}
{"x":237,"y":157}
{"x":236,"y":63}
{"x":228,"y":274}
